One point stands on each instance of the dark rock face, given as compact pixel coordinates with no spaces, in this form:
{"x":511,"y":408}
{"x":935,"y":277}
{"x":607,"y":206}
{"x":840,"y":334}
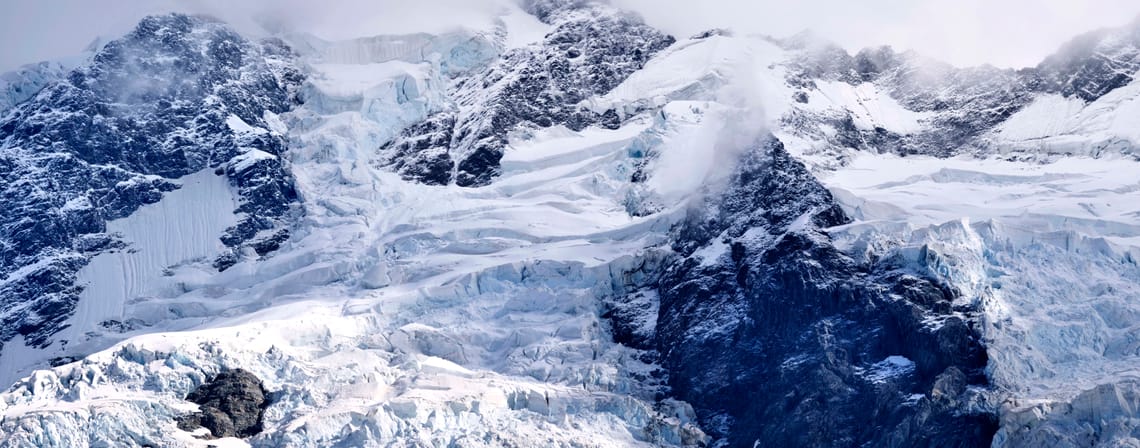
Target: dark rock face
{"x":964,"y":102}
{"x":785,"y":340}
{"x":1093,"y":64}
{"x":591,"y":51}
{"x":113,"y":135}
{"x":231,"y":405}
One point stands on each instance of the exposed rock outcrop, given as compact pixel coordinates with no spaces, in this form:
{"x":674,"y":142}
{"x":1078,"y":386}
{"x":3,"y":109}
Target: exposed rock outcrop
{"x":781,"y":338}
{"x":591,"y":50}
{"x":231,"y":405}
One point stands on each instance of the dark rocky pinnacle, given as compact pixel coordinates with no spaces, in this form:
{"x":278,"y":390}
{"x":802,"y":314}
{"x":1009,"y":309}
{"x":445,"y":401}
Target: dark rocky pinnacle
{"x":231,"y":405}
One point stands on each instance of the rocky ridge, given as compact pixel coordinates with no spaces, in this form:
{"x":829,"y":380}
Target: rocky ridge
{"x":178,"y":95}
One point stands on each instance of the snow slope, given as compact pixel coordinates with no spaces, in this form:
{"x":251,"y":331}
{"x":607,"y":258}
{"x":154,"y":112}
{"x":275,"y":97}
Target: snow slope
{"x":1055,"y":124}
{"x":169,"y":246}
{"x":871,"y":108}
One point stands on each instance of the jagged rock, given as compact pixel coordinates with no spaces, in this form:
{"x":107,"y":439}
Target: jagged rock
{"x":949,"y":384}
{"x":785,"y":340}
{"x":113,"y":135}
{"x":591,"y":50}
{"x":1093,"y":64}
{"x":964,"y":103}
{"x":231,"y":405}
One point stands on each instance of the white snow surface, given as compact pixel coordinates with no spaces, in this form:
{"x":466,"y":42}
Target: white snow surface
{"x":520,"y":28}
{"x":870,"y":107}
{"x":889,"y":368}
{"x":702,"y":70}
{"x":1097,"y":197}
{"x":170,"y":245}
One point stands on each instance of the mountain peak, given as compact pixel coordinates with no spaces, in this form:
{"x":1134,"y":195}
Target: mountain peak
{"x":154,"y":106}
{"x":1095,"y":63}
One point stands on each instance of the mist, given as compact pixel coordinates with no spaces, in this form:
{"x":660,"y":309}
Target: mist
{"x":1007,"y":33}
{"x":1004,"y":33}
{"x":36,"y":30}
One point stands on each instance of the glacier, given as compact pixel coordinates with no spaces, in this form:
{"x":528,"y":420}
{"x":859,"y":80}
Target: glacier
{"x":509,"y":276}
{"x":721,"y":230}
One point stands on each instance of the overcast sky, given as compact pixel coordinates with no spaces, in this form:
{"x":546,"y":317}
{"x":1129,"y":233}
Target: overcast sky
{"x":1007,"y":33}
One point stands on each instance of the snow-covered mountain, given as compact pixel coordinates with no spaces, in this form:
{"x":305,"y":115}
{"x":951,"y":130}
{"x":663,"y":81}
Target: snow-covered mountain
{"x":568,"y":229}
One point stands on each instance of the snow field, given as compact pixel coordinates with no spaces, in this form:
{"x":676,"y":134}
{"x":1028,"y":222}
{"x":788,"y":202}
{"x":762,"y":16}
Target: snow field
{"x":1053,"y":124}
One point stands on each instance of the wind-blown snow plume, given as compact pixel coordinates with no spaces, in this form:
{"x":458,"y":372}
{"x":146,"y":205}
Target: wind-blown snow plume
{"x":345,"y":19}
{"x":1010,"y":33}
{"x":701,"y":157}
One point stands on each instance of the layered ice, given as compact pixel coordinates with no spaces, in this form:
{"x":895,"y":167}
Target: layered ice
{"x":455,"y":52}
{"x":383,"y":96}
{"x":23,"y":83}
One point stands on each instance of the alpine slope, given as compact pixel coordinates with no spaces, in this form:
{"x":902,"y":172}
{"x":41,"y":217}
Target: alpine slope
{"x":560,"y":226}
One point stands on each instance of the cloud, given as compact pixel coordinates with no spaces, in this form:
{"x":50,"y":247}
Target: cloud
{"x":343,"y":19}
{"x":1007,"y":33}
{"x":35,"y":30}
{"x":1011,"y":33}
